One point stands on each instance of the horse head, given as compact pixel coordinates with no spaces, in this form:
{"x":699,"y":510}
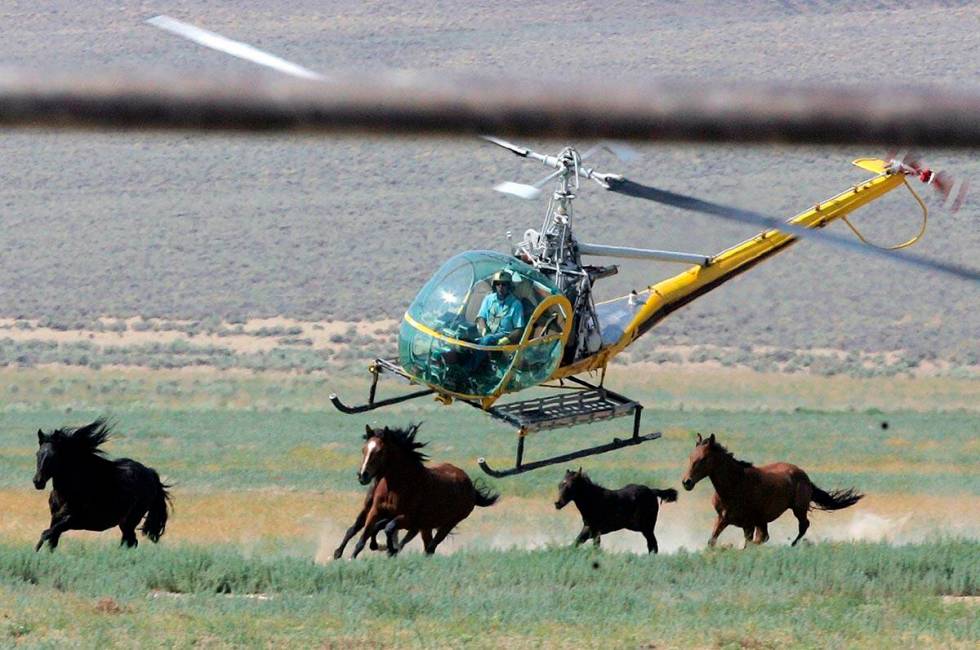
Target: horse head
{"x":568,"y":488}
{"x":390,"y":449}
{"x":59,"y":450}
{"x":700,"y":462}
{"x":373,"y":454}
{"x":47,"y":460}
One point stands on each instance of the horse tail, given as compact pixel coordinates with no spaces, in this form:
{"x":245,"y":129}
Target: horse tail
{"x":483,"y":496}
{"x":156,"y":517}
{"x":667,"y":496}
{"x":835,"y":499}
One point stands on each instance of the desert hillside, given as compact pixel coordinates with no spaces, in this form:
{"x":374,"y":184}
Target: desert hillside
{"x":193,"y":227}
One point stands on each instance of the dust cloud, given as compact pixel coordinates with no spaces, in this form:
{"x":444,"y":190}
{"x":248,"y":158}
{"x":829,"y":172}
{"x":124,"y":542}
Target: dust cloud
{"x":679,"y":530}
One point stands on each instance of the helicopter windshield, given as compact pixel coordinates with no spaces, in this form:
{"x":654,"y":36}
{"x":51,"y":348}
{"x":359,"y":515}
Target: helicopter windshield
{"x":440,"y":343}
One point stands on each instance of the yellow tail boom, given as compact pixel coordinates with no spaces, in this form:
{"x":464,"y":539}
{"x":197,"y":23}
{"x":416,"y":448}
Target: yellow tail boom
{"x":668,"y":295}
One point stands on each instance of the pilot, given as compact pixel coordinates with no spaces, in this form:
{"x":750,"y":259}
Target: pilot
{"x":500,"y":321}
{"x":501,"y":317}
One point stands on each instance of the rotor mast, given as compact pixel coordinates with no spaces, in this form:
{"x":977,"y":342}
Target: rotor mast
{"x":554,"y":249}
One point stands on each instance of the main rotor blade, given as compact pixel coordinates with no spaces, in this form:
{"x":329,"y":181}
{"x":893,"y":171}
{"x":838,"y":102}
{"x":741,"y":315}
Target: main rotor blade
{"x":540,"y":183}
{"x":631,"y":188}
{"x":523,"y":152}
{"x":623,"y":152}
{"x":234,"y":48}
{"x":519,"y":190}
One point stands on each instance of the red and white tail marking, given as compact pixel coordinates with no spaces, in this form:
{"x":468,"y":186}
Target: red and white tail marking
{"x":952,"y":190}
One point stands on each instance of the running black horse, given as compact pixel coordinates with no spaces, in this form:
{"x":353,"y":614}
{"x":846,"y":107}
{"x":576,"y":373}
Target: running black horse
{"x":92,"y":492}
{"x":634,"y":507}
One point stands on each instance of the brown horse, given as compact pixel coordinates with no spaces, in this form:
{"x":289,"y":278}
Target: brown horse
{"x":750,"y":497}
{"x":359,"y":524}
{"x":429,"y":501}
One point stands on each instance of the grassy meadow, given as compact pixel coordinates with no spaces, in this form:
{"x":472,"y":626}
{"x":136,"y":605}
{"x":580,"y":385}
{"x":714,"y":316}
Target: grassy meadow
{"x":828,"y":595}
{"x":263,"y":475}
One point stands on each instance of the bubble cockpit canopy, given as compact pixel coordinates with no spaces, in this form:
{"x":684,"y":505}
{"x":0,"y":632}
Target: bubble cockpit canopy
{"x":440,"y":343}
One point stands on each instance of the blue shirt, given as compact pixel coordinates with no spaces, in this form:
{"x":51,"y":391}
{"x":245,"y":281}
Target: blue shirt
{"x":502,"y":316}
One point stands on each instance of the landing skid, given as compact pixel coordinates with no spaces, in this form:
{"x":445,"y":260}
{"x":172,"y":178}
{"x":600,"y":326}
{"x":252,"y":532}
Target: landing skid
{"x":586,"y":404}
{"x":579,"y":403}
{"x":379,"y":366}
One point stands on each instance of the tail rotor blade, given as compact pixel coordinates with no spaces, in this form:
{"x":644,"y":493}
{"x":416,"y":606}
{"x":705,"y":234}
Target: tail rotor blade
{"x":959,"y":195}
{"x":637,"y":190}
{"x":952,"y":190}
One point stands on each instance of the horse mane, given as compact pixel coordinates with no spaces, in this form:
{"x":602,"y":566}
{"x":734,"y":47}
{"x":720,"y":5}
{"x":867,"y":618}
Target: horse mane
{"x":741,"y":463}
{"x":84,"y":439}
{"x":404,"y":439}
{"x":584,"y":478}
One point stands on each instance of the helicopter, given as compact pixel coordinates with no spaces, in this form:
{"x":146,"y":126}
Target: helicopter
{"x":566,"y":332}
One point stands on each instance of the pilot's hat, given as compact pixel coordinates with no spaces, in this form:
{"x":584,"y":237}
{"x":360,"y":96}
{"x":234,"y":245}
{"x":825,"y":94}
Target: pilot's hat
{"x":501,"y":277}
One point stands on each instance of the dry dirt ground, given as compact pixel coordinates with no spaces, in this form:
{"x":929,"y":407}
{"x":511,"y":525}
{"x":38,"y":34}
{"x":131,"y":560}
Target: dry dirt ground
{"x":301,"y":522}
{"x":355,"y":343}
{"x":321,"y":335}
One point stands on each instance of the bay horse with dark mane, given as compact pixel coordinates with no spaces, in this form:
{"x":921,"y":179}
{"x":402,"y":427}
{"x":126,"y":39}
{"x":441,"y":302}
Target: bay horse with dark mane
{"x":750,"y":497}
{"x":359,"y":524}
{"x":92,"y":492}
{"x":633,"y":507}
{"x":410,"y":496}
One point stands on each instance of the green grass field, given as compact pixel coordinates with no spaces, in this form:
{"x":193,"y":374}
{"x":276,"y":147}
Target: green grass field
{"x":264,"y":485}
{"x":826,"y":595}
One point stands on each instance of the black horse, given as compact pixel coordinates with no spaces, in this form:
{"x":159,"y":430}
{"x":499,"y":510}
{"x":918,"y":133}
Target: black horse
{"x":92,"y":492}
{"x":633,"y":507}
